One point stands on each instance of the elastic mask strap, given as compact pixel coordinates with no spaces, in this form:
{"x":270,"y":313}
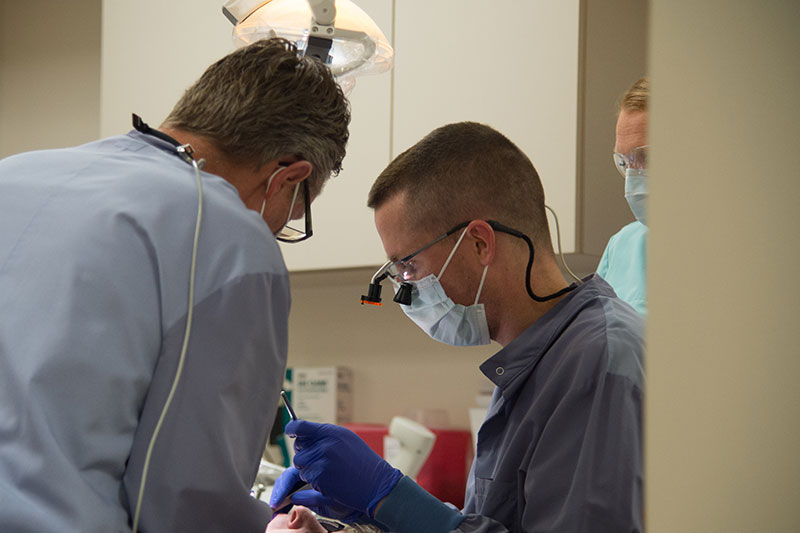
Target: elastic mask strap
{"x":269,"y":182}
{"x":452,"y":253}
{"x":480,"y":287}
{"x":291,"y":206}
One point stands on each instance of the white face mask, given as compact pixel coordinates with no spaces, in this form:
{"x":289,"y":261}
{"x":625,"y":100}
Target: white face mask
{"x":441,"y":318}
{"x":636,"y":192}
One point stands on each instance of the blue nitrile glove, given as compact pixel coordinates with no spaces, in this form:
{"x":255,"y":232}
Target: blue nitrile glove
{"x":287,"y":483}
{"x":284,"y":496}
{"x":327,"y":507}
{"x":337,"y":463}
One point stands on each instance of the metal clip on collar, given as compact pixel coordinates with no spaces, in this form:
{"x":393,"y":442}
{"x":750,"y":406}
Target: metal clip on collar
{"x":185,"y":151}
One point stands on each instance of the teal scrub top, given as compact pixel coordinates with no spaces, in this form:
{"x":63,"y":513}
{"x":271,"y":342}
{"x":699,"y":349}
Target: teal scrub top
{"x":624,"y":265}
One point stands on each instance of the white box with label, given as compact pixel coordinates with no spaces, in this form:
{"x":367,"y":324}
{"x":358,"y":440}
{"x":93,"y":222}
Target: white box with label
{"x":323,"y":394}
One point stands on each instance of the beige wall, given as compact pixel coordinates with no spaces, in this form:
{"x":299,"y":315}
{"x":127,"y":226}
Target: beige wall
{"x":397,"y":368}
{"x":49,"y":74}
{"x":614,"y":37}
{"x":723,"y":403}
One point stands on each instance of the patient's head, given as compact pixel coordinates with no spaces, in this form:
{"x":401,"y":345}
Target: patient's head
{"x":299,"y":519}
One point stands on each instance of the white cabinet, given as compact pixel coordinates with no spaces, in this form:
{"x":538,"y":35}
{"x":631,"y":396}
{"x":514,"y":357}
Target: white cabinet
{"x":510,"y":64}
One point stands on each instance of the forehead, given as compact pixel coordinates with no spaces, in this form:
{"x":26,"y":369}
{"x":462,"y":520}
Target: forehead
{"x":397,"y":232}
{"x":631,"y":131}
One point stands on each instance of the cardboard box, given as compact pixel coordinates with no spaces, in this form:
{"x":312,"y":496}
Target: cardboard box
{"x":322,"y":394}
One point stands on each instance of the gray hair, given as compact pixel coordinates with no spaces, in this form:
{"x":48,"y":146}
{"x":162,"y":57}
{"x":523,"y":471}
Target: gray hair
{"x":264,"y":101}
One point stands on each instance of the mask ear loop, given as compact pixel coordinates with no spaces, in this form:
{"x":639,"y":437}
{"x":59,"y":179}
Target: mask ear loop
{"x":449,"y":257}
{"x":452,"y":253}
{"x":291,"y":206}
{"x":480,"y":287}
{"x":269,"y":182}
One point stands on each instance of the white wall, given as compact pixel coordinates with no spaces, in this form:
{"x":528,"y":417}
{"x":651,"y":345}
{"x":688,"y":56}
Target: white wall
{"x":723,"y":402}
{"x":49,"y":74}
{"x":397,"y":368}
{"x":152,"y":52}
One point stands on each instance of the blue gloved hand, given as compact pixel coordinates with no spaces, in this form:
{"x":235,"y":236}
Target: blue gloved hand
{"x":327,"y":507}
{"x":288,"y":482}
{"x":285,"y":494}
{"x":337,"y":463}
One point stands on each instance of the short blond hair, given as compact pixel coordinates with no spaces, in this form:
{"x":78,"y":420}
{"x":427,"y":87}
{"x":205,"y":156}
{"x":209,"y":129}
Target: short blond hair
{"x":635,"y":98}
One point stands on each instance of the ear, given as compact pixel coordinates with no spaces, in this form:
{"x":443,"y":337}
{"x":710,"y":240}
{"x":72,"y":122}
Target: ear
{"x":287,"y":177}
{"x":483,"y":240}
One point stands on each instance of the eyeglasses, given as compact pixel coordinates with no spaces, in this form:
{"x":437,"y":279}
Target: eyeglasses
{"x":636,"y":158}
{"x":290,"y":234}
{"x":405,"y":269}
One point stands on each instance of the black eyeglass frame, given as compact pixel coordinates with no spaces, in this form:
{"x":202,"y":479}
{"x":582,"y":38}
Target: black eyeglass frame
{"x":403,"y":295}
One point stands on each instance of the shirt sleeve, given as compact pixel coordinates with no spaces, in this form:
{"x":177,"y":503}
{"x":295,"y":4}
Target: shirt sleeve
{"x":208,"y":450}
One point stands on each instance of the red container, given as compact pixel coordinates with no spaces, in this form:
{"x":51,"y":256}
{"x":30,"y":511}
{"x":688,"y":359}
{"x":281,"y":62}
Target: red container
{"x":445,"y":472}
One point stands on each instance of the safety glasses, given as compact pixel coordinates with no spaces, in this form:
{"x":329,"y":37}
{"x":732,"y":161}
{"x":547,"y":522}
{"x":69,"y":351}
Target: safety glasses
{"x":636,"y":158}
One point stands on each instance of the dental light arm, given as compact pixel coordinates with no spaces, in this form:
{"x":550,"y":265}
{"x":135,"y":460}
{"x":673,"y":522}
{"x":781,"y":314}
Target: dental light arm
{"x":350,"y":46}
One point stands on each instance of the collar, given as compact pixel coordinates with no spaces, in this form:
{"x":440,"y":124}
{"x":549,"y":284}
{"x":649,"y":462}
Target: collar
{"x":509,"y":368}
{"x":184,"y":151}
{"x":155,"y":142}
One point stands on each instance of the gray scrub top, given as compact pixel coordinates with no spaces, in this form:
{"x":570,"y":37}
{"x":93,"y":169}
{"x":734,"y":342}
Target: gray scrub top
{"x":561,"y":446}
{"x":95,"y":250}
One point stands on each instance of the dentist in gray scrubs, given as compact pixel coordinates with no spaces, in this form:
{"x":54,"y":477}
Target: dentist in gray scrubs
{"x":462,"y":219}
{"x":97,"y":256}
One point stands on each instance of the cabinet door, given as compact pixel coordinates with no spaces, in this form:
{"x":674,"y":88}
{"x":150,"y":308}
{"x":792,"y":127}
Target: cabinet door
{"x":511,"y":64}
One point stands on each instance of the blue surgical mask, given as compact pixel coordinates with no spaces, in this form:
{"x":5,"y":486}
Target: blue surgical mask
{"x":636,"y":192}
{"x":441,"y":318}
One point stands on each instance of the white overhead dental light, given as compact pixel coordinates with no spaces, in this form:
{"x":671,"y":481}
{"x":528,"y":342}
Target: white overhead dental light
{"x":337,"y":32}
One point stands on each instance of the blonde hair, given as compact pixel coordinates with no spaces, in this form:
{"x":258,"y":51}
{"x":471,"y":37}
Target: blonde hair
{"x":635,"y":98}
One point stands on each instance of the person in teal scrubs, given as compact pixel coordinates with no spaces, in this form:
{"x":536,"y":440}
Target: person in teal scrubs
{"x":624,"y":261}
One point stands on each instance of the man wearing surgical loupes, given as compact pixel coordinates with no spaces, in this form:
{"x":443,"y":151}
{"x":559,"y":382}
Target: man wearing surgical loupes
{"x":624,"y":261}
{"x":461,"y":216}
{"x":96,"y":263}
